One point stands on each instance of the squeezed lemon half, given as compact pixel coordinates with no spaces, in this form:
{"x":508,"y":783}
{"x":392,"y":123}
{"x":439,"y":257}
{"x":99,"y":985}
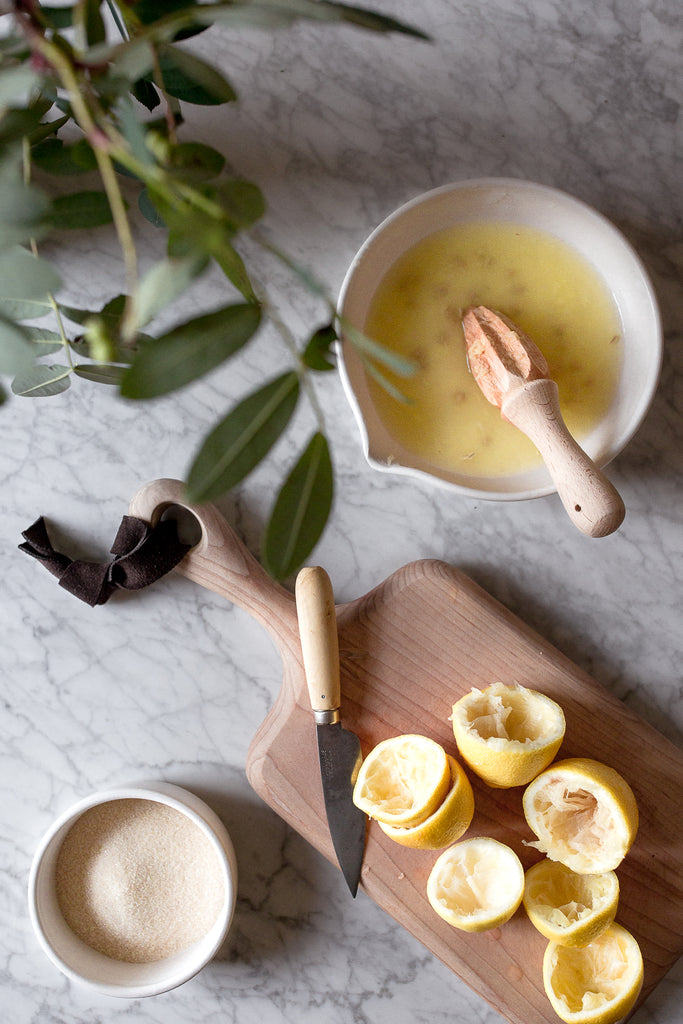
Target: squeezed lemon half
{"x":403,"y":780}
{"x":583,"y":813}
{"x":447,"y":823}
{"x":594,"y":984}
{"x":507,"y":734}
{"x":477,"y":884}
{"x":568,"y":908}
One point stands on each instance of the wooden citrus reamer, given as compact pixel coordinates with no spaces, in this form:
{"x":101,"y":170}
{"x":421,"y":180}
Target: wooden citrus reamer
{"x":514,"y":376}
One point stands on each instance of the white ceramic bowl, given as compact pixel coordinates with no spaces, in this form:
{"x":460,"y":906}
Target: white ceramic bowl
{"x":545,"y":209}
{"x":93,"y":969}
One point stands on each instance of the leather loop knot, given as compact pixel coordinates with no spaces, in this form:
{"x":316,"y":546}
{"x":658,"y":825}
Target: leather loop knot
{"x":142,"y":555}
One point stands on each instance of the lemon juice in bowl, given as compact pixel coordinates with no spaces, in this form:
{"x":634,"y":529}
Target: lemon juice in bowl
{"x":538,"y":281}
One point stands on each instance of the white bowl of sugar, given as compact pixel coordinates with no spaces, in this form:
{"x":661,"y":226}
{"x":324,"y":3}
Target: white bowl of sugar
{"x":132,"y":890}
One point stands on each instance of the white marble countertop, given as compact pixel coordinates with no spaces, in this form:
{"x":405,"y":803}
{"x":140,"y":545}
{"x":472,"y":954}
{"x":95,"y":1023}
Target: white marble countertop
{"x":338,"y":127}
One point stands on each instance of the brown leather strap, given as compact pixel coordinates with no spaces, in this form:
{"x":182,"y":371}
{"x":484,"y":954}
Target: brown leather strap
{"x":142,"y":555}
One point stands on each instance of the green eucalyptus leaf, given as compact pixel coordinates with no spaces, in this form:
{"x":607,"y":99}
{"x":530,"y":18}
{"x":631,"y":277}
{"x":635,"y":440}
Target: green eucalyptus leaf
{"x":46,"y":342}
{"x":101,"y":373}
{"x":113,"y":310}
{"x":182,"y":246}
{"x":42,"y":381}
{"x":149,"y":11}
{"x":384,"y":382}
{"x":25,"y":276}
{"x":16,"y":123}
{"x":46,"y":128}
{"x":272,"y":14}
{"x":164,"y":282}
{"x":58,"y":17}
{"x":301,"y":511}
{"x":133,"y":131}
{"x":241,"y":440}
{"x":89,"y":209}
{"x":145,"y":93}
{"x":149,"y":210}
{"x":192,"y":80}
{"x":242,"y":202}
{"x":23,"y":213}
{"x":42,"y":336}
{"x":83,"y":155}
{"x":375,"y":351}
{"x":232,"y":265}
{"x":88,"y":22}
{"x":53,"y":157}
{"x":26,"y":284}
{"x":132,"y":59}
{"x":16,"y":82}
{"x":16,"y":350}
{"x":14,"y":46}
{"x":316,"y":355}
{"x":25,"y":309}
{"x":190,"y":350}
{"x":372,"y":21}
{"x":110,"y":313}
{"x":196,"y":161}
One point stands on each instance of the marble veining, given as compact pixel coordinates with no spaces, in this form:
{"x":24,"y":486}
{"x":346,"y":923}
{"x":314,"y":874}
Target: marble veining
{"x":339,"y":128}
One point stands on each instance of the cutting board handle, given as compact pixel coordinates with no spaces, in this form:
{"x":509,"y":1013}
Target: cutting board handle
{"x":220,"y":561}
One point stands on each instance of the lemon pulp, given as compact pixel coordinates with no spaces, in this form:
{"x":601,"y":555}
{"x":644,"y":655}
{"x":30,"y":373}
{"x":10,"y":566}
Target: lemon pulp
{"x":477,"y":884}
{"x":583,"y":813}
{"x":507,"y":734}
{"x":569,"y":908}
{"x":598,"y":983}
{"x":403,"y":780}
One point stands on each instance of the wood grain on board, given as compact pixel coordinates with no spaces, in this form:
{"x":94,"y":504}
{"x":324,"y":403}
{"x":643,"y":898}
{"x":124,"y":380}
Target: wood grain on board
{"x":409,"y":649}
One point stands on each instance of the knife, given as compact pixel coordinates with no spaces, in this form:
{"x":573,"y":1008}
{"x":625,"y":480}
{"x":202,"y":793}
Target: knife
{"x":339,"y":749}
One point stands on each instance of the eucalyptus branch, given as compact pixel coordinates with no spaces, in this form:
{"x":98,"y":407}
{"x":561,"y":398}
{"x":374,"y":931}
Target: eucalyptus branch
{"x":185,"y":190}
{"x":57,"y":59}
{"x":26,"y":161}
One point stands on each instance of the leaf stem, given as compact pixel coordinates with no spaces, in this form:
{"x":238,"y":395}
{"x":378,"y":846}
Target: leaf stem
{"x":26,"y":161}
{"x":98,"y":139}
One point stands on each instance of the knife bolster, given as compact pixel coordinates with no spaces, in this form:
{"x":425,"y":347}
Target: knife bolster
{"x":328,"y":716}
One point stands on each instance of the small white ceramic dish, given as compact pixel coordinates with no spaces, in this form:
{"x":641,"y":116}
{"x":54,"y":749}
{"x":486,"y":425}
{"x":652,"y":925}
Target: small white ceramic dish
{"x":93,"y":969}
{"x":545,"y":209}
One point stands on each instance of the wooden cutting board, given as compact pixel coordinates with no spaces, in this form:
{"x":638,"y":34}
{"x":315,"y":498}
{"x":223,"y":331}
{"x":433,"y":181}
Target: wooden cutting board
{"x":409,"y":649}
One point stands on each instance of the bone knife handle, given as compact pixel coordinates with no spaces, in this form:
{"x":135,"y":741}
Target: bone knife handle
{"x":319,"y":639}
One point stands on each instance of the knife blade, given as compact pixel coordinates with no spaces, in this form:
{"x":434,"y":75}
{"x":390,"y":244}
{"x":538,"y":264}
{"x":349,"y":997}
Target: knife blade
{"x":339,"y":750}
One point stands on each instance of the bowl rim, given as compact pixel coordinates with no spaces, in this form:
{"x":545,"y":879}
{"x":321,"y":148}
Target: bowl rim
{"x":419,"y":468}
{"x":204,"y":817}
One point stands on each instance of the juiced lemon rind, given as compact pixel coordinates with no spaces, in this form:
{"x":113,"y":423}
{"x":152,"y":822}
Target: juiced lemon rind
{"x":476,"y":884}
{"x":507,"y":734}
{"x":568,"y":908}
{"x":449,"y":821}
{"x":403,"y":780}
{"x":583,"y":813}
{"x":594,"y":984}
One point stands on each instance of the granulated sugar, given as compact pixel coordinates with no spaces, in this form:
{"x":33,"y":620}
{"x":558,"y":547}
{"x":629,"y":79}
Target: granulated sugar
{"x":138,"y":880}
